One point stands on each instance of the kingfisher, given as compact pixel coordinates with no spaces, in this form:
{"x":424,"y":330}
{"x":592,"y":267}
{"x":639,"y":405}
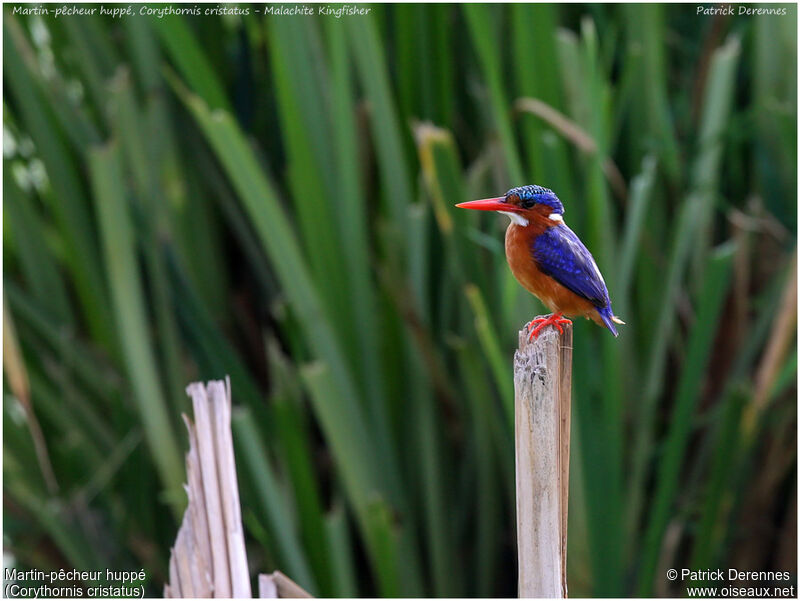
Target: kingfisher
{"x":549,"y":260}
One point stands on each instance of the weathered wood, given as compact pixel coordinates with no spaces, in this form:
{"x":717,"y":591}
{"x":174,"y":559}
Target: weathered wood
{"x":542,"y":385}
{"x":288,"y":588}
{"x":279,"y":586}
{"x":220,"y":396}
{"x":209,"y":557}
{"x":266,"y":587}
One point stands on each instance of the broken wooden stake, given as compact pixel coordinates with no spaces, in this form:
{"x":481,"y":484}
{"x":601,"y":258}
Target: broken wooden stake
{"x":209,"y":558}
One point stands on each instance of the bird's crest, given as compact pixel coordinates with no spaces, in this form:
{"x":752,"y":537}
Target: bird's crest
{"x":534,"y":194}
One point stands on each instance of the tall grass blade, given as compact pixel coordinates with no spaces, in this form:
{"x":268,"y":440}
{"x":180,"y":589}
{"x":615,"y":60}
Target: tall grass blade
{"x":128,"y":302}
{"x":705,"y":172}
{"x":69,"y":208}
{"x":341,"y":553}
{"x":480,"y":20}
{"x":351,"y":443}
{"x":640,"y":199}
{"x":183,"y":48}
{"x":491,"y":348}
{"x":274,"y":506}
{"x":486,"y":545}
{"x":367,"y":52}
{"x":293,"y":436}
{"x":152,"y":206}
{"x":353,"y":213}
{"x":694,"y":215}
{"x":698,"y":355}
{"x":37,"y":265}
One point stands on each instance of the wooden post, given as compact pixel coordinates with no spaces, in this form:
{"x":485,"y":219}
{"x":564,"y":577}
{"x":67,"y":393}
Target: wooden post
{"x":542,"y":386}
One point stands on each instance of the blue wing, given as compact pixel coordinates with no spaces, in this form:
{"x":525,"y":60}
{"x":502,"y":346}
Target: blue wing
{"x":560,"y":254}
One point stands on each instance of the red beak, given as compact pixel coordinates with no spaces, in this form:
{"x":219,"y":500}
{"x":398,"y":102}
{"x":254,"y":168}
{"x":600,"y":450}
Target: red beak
{"x":488,"y":204}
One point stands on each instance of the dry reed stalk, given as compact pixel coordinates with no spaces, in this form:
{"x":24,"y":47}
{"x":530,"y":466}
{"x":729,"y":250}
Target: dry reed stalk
{"x":209,"y":558}
{"x":279,"y":586}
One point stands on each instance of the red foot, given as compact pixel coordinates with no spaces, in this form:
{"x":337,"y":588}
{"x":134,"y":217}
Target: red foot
{"x":555,"y":319}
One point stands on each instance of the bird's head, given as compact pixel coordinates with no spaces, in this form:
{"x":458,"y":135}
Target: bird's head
{"x":523,"y":205}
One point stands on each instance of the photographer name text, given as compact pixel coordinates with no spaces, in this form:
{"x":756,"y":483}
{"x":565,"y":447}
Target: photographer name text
{"x":739,"y":9}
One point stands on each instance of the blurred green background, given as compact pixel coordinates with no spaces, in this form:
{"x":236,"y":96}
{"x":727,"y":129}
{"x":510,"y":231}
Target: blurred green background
{"x":272,"y":198}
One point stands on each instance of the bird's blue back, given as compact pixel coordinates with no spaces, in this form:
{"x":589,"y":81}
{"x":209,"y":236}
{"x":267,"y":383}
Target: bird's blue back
{"x":560,"y":254}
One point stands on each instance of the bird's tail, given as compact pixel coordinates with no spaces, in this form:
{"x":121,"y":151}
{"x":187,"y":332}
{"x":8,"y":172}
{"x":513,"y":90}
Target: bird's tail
{"x":609,"y":319}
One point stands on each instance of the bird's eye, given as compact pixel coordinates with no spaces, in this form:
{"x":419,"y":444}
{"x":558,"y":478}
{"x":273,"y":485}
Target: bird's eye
{"x":527,"y":203}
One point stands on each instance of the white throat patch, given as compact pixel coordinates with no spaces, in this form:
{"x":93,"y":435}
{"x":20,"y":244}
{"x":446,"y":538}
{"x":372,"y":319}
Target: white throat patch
{"x":515,"y":218}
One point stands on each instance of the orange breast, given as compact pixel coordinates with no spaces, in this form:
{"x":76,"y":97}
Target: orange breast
{"x":555,"y":296}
